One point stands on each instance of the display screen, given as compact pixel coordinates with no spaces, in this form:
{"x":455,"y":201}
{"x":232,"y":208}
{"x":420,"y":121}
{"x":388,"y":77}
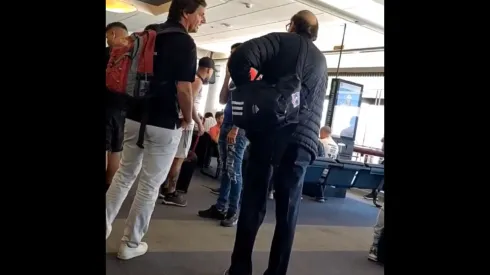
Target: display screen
{"x":346,"y":110}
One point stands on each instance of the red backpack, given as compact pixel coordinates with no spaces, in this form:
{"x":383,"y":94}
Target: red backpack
{"x":130,"y":65}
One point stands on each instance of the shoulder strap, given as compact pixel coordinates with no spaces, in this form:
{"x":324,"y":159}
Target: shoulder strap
{"x":303,"y":53}
{"x":171,"y":30}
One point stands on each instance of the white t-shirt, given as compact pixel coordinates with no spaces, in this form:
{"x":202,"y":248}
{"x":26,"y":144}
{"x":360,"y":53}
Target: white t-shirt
{"x":208,"y":123}
{"x":331,"y":147}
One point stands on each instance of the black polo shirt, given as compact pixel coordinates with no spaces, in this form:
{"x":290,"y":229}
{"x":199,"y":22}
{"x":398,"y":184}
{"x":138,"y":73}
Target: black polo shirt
{"x":176,"y":60}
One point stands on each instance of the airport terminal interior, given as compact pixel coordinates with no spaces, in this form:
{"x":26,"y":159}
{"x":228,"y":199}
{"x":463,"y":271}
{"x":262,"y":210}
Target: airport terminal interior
{"x":334,"y":234}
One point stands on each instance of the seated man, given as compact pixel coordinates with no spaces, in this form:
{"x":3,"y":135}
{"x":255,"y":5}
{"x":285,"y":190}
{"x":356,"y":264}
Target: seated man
{"x":330,"y":146}
{"x":214,"y":132}
{"x":378,"y":229}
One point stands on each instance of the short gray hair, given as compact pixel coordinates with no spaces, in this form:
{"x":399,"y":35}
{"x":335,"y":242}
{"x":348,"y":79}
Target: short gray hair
{"x":326,"y":129}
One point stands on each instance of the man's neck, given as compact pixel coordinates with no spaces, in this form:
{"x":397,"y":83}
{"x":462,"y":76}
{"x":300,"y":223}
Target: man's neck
{"x":200,"y":75}
{"x":184,"y":24}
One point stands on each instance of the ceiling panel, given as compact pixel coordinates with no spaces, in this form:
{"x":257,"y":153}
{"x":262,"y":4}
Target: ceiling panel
{"x":229,"y":22}
{"x":242,"y":33}
{"x":136,"y":21}
{"x":257,"y":21}
{"x":141,"y":20}
{"x":230,"y":9}
{"x":329,"y":35}
{"x":114,"y":17}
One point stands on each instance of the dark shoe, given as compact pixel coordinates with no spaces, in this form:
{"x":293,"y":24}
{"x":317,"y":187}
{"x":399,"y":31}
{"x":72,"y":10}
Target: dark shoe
{"x":215,"y":191}
{"x":230,"y":220}
{"x":373,"y":254}
{"x":163,"y":191}
{"x":212,"y":213}
{"x":369,"y":196}
{"x":174,"y":199}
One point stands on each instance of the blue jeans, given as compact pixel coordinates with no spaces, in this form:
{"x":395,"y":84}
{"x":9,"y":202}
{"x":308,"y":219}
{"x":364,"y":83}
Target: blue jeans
{"x":231,"y":156}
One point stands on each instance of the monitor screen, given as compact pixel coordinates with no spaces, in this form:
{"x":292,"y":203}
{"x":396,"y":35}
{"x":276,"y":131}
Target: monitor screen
{"x":346,"y":109}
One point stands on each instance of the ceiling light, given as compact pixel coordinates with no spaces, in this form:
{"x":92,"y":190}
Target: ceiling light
{"x":119,"y":6}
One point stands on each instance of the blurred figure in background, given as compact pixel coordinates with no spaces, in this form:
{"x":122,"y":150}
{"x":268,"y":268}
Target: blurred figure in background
{"x":232,"y":145}
{"x":169,"y":194}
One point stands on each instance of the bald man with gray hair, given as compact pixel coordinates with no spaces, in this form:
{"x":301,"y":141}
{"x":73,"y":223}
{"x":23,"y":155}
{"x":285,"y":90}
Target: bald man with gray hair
{"x":330,"y":146}
{"x":289,"y":149}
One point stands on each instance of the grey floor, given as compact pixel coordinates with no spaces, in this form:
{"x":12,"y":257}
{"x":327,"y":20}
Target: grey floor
{"x":331,"y":238}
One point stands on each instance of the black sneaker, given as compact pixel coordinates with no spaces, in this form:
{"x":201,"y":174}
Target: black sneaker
{"x":174,"y":199}
{"x":163,"y":191}
{"x":373,"y":254}
{"x":230,"y":220}
{"x":369,"y":196}
{"x":212,"y":213}
{"x":215,"y":191}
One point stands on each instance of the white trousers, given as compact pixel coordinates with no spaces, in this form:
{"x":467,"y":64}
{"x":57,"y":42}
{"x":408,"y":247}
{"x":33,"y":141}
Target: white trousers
{"x":154,"y":161}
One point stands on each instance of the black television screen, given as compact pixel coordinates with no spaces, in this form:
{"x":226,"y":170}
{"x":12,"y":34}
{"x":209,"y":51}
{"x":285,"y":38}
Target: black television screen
{"x":346,"y":109}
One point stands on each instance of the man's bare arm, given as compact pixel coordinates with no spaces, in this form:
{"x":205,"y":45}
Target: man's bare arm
{"x":185,"y":98}
{"x":196,"y":87}
{"x":225,"y":92}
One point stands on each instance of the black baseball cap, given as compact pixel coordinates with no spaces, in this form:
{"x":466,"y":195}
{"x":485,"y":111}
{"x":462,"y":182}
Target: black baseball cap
{"x":207,"y":62}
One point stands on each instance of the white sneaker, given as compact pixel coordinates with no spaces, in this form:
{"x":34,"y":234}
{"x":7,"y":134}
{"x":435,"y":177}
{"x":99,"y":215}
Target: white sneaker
{"x":126,"y":252}
{"x":108,"y":232}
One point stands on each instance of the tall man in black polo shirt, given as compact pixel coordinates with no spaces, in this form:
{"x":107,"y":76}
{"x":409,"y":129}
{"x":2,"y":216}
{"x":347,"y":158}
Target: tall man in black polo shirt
{"x":174,"y":71}
{"x":114,"y":115}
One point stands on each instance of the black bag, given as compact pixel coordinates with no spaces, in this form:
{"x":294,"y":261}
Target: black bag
{"x":260,"y":106}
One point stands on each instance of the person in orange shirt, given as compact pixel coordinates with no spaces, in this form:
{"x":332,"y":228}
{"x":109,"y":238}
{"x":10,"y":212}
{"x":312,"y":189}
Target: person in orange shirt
{"x":215,"y":130}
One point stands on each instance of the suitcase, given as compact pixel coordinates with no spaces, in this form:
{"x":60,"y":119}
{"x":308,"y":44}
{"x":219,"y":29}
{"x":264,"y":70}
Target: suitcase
{"x":187,"y":170}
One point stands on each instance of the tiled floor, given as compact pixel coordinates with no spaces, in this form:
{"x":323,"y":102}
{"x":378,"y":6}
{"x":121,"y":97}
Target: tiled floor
{"x":331,"y":238}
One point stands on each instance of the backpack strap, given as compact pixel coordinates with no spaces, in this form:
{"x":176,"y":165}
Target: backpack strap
{"x":171,"y":30}
{"x":146,"y":103}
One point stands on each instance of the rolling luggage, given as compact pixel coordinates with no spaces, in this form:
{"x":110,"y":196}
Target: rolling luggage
{"x":187,"y":169}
